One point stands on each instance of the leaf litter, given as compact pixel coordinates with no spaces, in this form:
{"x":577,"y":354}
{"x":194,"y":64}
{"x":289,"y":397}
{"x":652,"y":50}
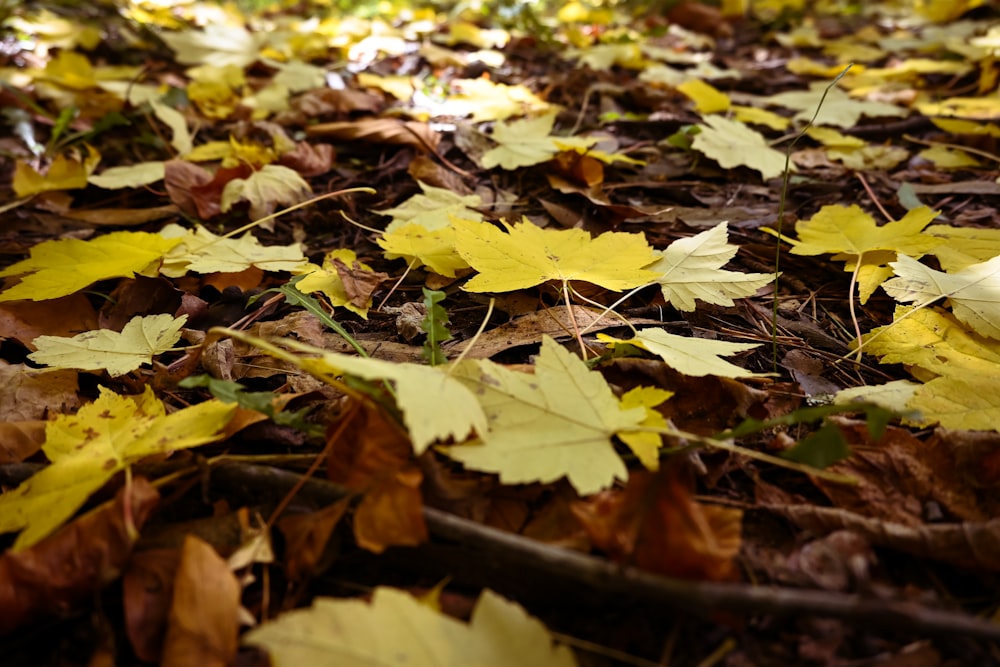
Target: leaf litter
{"x":605,"y":176}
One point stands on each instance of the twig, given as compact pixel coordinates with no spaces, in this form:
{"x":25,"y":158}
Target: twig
{"x":515,"y":553}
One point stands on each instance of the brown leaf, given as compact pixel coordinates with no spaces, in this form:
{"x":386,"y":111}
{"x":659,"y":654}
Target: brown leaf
{"x":66,"y":316}
{"x":122,"y":217}
{"x":27,"y":394}
{"x":306,"y":538}
{"x":179,"y":177}
{"x":369,"y":447}
{"x":392,"y":131}
{"x":204,"y":615}
{"x":657,"y":525}
{"x":147,"y":589}
{"x":309,"y":159}
{"x":424,"y":169}
{"x":329,"y":101}
{"x":20,"y":439}
{"x":65,"y":569}
{"x":899,"y":475}
{"x":391,"y":513}
{"x":359,"y":284}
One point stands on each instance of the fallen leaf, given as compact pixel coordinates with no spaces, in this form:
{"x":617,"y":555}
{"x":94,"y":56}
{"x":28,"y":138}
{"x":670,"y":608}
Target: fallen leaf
{"x":391,"y":513}
{"x":690,"y":269}
{"x":528,"y":141}
{"x":687,"y":355}
{"x":265,"y":188}
{"x":528,"y":255}
{"x":71,"y":566}
{"x":88,"y":448}
{"x":973,"y":292}
{"x":557,"y":422}
{"x":201,"y":251}
{"x":335,"y":632}
{"x":733,"y":144}
{"x":115,"y":255}
{"x":204,"y":613}
{"x":140,"y":340}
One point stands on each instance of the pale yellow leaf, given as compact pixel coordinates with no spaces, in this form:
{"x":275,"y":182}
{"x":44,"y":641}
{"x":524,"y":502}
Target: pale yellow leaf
{"x":201,"y":251}
{"x":131,"y":176}
{"x":141,"y":339}
{"x":527,"y":142}
{"x":690,"y":269}
{"x":395,"y":628}
{"x":432,"y":209}
{"x":690,"y":356}
{"x":267,"y":187}
{"x":973,"y":292}
{"x":644,"y":444}
{"x":557,"y":422}
{"x":733,"y":144}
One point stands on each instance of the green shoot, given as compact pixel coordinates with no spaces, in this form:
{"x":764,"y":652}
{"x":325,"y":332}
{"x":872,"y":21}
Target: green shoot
{"x":435,"y":325}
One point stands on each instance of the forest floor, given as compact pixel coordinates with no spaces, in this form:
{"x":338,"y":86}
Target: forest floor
{"x":305,"y":307}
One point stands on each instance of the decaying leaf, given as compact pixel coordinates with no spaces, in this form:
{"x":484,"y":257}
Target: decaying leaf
{"x":88,"y":448}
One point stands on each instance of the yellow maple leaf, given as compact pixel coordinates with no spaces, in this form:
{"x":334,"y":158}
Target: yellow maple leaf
{"x":690,"y":269}
{"x":973,"y":292}
{"x":65,"y":173}
{"x":646,"y":444}
{"x":528,"y":255}
{"x":139,"y":341}
{"x":690,"y":356}
{"x":733,"y":144}
{"x":267,"y":187}
{"x":434,"y":405}
{"x":851,"y":235}
{"x":333,"y":628}
{"x":432,"y":208}
{"x":557,"y":422}
{"x":967,"y":403}
{"x":933,"y":341}
{"x":115,"y":255}
{"x":528,"y":141}
{"x":706,"y":97}
{"x":201,"y":251}
{"x":88,"y":448}
{"x":327,"y":280}
{"x":419,"y":246}
{"x":964,"y":246}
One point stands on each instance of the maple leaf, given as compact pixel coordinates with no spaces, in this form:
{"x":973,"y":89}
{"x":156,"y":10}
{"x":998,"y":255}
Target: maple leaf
{"x":270,"y":185}
{"x":973,"y":292}
{"x":419,"y":246}
{"x":838,"y":108}
{"x":217,"y":45}
{"x":528,"y":141}
{"x":132,"y":176}
{"x":114,"y":255}
{"x":328,"y":280}
{"x":65,"y":173}
{"x":964,"y":246}
{"x":691,"y":356}
{"x":852,"y":234}
{"x":706,"y":97}
{"x":691,"y":269}
{"x":528,"y":255}
{"x":555,"y":423}
{"x":335,"y":632}
{"x":934,"y":341}
{"x":433,"y":208}
{"x":88,"y":448}
{"x":967,"y":403}
{"x":733,"y":144}
{"x":435,"y":406}
{"x":201,"y":251}
{"x":140,"y":340}
{"x":646,"y":444}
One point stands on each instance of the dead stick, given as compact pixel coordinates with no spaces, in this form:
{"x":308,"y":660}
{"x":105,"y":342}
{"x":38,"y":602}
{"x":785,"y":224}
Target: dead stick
{"x":599,"y":575}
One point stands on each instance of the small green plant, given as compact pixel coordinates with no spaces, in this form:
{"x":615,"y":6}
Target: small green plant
{"x":259,"y":401}
{"x":435,"y":325}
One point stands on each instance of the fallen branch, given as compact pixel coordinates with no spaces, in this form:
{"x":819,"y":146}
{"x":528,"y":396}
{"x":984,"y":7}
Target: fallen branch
{"x":600,"y":576}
